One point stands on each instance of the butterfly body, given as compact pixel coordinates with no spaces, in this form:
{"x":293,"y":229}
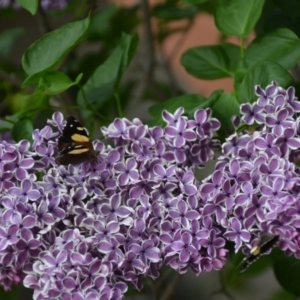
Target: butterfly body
{"x":266,"y":242}
{"x":74,"y":145}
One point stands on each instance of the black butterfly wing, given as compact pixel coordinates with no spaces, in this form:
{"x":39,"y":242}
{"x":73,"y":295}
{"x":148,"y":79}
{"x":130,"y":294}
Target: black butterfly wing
{"x":74,"y":144}
{"x":266,"y":242}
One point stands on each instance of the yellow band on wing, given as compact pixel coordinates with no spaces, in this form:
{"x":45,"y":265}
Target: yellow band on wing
{"x":255,"y":251}
{"x":79,"y":151}
{"x":78,"y":138}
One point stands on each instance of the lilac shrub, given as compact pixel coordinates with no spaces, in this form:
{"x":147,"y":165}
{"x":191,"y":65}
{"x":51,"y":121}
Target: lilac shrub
{"x":255,"y":185}
{"x":89,"y":230}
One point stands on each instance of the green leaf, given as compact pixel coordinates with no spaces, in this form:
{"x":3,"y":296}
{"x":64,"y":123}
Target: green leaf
{"x":22,"y":130}
{"x":12,"y":294}
{"x":262,"y":74}
{"x":258,"y":267}
{"x":279,"y":295}
{"x":33,"y":79}
{"x":49,"y":50}
{"x":105,"y":81}
{"x":208,"y":103}
{"x":101,"y":22}
{"x":230,"y":274}
{"x":224,"y":109}
{"x":8,"y":39}
{"x":54,"y":82}
{"x":128,"y":46}
{"x":171,"y":11}
{"x":30,"y":5}
{"x":281,"y":46}
{"x":188,"y":102}
{"x":7,"y":125}
{"x":193,"y":1}
{"x":287,"y":272}
{"x":211,"y":62}
{"x":30,"y":104}
{"x":237,"y":17}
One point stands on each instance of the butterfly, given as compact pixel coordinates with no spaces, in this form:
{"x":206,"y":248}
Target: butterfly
{"x":266,"y":242}
{"x":74,"y":145}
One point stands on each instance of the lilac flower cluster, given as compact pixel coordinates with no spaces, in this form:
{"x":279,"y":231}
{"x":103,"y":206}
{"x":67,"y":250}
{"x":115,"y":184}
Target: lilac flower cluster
{"x":255,"y":186}
{"x":87,"y":231}
{"x":45,"y":4}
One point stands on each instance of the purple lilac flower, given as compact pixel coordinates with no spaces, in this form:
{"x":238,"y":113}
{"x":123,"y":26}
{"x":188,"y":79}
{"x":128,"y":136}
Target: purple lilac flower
{"x":180,"y":133}
{"x":252,"y":113}
{"x":89,"y":230}
{"x":185,"y":247}
{"x":254,"y":187}
{"x":265,"y":95}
